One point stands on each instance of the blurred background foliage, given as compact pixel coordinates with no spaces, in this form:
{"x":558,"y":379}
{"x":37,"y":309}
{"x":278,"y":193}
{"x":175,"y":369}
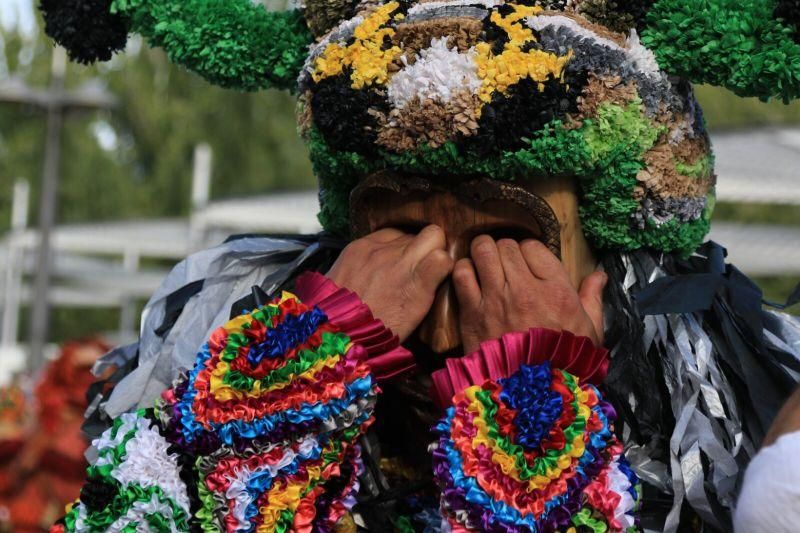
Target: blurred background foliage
{"x":135,"y":160}
{"x":725,"y":110}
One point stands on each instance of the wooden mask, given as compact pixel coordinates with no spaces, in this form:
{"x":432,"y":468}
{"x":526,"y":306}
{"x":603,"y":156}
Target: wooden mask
{"x":546,"y":210}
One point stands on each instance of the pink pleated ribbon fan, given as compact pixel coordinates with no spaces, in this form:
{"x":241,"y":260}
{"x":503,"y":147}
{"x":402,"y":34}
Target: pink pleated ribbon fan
{"x":344,"y":309}
{"x":499,"y":358}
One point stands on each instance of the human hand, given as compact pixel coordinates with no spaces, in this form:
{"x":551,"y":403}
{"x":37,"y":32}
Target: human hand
{"x":395,"y":274}
{"x":509,"y":286}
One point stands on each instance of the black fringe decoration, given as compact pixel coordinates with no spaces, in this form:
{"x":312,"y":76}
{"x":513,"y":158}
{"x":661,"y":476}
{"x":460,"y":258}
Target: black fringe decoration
{"x":342,"y":114}
{"x":618,"y":15}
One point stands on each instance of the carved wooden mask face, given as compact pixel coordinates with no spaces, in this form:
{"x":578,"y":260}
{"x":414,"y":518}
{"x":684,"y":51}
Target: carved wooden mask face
{"x":546,"y":211}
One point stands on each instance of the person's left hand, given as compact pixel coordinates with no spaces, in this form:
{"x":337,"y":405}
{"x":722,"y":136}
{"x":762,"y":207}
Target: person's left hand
{"x":508,"y":286}
{"x":395,"y":274}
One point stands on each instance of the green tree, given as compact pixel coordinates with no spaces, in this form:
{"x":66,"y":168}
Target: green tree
{"x":135,"y":160}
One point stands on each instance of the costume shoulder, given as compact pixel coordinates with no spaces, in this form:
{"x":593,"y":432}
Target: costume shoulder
{"x":264,"y":432}
{"x":263,"y":429}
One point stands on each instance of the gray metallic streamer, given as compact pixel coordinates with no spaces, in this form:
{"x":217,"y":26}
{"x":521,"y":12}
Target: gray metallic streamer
{"x":228,"y":272}
{"x":710,"y":444}
{"x":661,"y":210}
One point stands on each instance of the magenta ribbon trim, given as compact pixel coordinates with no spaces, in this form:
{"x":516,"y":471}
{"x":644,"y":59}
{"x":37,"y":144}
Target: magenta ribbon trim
{"x":385,"y":356}
{"x":499,"y":358}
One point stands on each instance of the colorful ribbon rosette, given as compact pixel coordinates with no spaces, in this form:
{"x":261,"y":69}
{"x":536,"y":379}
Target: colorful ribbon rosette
{"x":262,"y":434}
{"x":533,"y":452}
{"x":272,"y":410}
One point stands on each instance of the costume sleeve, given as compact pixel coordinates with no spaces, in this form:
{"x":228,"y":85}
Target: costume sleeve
{"x":261,"y":434}
{"x":770,"y":493}
{"x":526,"y":445}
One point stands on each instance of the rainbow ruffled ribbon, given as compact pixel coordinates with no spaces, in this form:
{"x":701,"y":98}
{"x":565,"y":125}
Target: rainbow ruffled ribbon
{"x":273,"y":409}
{"x":533,"y":452}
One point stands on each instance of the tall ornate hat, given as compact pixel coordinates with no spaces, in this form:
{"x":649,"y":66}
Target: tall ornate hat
{"x":514,"y":91}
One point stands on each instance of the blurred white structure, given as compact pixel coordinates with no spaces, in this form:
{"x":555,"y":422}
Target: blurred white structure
{"x":104,"y":264}
{"x":761,"y":166}
{"x":100,"y":265}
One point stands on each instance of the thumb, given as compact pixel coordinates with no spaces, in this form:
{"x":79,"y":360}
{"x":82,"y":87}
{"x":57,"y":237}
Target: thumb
{"x":433,"y":270}
{"x":591,"y":295}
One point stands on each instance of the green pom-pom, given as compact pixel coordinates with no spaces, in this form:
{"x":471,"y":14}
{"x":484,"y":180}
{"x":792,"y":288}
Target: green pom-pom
{"x":736,"y":44}
{"x":231,"y":43}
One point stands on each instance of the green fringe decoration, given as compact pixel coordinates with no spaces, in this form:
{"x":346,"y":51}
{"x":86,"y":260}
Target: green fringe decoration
{"x":736,"y":44}
{"x":231,"y":43}
{"x":702,"y":168}
{"x":606,"y":152}
{"x":338,"y":174}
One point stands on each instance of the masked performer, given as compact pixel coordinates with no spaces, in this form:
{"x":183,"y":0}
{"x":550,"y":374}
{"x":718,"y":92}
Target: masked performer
{"x":482,"y":158}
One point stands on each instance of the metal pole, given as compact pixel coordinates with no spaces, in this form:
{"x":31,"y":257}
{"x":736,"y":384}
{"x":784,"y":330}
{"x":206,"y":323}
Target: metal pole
{"x":47,"y":210}
{"x":127,"y":317}
{"x":201,"y":176}
{"x":19,"y":205}
{"x":13,"y":278}
{"x":201,"y":191}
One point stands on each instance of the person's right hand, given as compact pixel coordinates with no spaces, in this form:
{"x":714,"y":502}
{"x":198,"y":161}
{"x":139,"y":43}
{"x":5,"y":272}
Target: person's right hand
{"x":507,"y":286}
{"x":395,"y":274}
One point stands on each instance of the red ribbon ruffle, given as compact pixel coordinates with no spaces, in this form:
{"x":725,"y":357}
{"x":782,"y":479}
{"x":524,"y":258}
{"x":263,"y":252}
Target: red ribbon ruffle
{"x":344,"y":309}
{"x":499,"y":358}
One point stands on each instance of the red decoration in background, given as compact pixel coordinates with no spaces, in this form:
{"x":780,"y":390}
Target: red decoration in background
{"x":42,"y":467}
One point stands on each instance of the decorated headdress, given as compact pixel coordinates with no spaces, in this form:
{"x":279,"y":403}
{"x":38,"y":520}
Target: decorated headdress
{"x":463,"y":89}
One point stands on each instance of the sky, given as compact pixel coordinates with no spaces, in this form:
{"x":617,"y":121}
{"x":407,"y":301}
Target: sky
{"x":17,"y":14}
